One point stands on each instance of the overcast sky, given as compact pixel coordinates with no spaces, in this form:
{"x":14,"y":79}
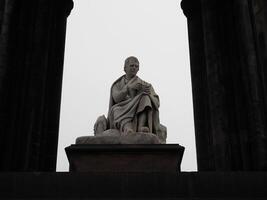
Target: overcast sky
{"x":100,"y":35}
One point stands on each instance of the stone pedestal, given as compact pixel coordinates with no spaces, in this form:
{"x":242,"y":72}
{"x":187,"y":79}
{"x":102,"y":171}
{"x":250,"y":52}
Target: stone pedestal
{"x":125,"y":158}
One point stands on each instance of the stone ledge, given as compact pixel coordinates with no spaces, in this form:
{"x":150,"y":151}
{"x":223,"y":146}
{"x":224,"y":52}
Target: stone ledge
{"x":184,"y":185}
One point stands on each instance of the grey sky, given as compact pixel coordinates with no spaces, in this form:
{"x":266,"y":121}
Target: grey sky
{"x":100,"y":35}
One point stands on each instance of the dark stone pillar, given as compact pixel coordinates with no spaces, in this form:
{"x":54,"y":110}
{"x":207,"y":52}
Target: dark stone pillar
{"x":192,"y":9}
{"x":229,"y":99}
{"x":32,"y":44}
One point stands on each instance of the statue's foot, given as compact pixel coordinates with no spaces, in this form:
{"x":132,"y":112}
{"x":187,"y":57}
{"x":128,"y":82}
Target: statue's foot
{"x":128,"y":131}
{"x":128,"y":128}
{"x":144,"y":129}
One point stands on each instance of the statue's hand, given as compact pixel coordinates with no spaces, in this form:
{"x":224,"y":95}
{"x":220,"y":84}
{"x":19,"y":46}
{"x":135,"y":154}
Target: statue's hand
{"x":140,"y":86}
{"x":135,"y":86}
{"x":146,"y":89}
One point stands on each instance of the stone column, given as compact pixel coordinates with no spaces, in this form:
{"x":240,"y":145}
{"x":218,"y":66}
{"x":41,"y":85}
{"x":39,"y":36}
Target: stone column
{"x":192,"y":10}
{"x":230,"y":107}
{"x":32,"y":44}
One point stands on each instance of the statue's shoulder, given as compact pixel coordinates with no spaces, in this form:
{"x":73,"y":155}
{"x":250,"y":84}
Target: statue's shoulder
{"x":117,"y":82}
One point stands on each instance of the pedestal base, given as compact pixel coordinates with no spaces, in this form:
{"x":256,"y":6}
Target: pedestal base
{"x":125,"y":158}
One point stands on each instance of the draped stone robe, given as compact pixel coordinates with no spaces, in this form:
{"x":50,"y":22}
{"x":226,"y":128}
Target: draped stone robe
{"x":129,"y":108}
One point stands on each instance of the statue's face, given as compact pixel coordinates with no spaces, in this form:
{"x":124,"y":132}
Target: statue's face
{"x":132,"y":68}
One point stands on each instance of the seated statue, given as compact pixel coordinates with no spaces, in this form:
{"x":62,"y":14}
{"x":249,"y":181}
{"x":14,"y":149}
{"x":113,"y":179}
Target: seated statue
{"x":133,"y":107}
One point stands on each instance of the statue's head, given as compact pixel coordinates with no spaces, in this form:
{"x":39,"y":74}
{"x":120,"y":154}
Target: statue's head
{"x":131,"y":66}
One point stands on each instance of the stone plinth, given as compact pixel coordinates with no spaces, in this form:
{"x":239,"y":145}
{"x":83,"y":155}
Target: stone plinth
{"x":125,"y":158}
{"x":114,"y":137}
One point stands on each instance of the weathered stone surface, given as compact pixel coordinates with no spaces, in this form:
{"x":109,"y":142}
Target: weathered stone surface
{"x":133,"y":107}
{"x":113,"y":136}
